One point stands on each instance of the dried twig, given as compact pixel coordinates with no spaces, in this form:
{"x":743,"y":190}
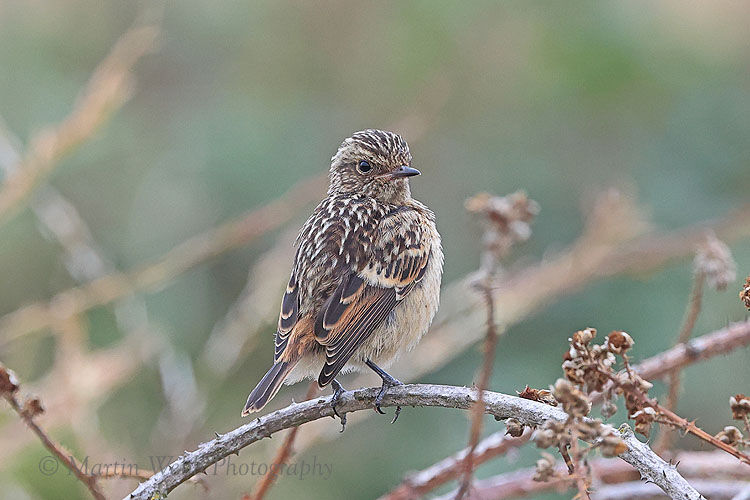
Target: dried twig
{"x":477,"y":413}
{"x":691,"y":315}
{"x":30,"y":409}
{"x":693,"y":465}
{"x":426,"y":480}
{"x":507,"y":221}
{"x":282,"y":455}
{"x":639,"y":455}
{"x":183,"y":257}
{"x":670,"y":418}
{"x":501,"y":406}
{"x":701,"y":348}
{"x":108,"y":88}
{"x":707,"y":346}
{"x":714,"y":265}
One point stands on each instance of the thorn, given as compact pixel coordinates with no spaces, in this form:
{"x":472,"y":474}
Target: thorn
{"x":218,"y":436}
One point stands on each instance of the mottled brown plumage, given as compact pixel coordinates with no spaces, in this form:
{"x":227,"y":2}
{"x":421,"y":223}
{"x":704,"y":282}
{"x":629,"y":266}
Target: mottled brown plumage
{"x":365,"y":282}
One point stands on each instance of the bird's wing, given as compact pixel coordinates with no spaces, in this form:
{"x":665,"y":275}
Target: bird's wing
{"x":287,"y":317}
{"x":364,"y":298}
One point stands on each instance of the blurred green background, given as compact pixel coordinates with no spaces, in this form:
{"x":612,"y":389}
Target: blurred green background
{"x":244,"y":99}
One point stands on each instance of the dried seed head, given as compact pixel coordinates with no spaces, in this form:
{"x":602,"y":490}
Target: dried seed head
{"x":8,"y":381}
{"x":545,"y":468}
{"x":541,"y":395}
{"x":583,"y":337}
{"x":32,"y":407}
{"x":507,"y":221}
{"x":574,"y":371}
{"x":514,"y":427}
{"x":608,"y":409}
{"x":643,"y":420}
{"x":619,"y":342}
{"x":714,"y":260}
{"x":550,"y":434}
{"x":745,"y":293}
{"x":643,"y":385}
{"x":740,"y":405}
{"x":574,"y":401}
{"x":731,"y":435}
{"x":588,"y":430}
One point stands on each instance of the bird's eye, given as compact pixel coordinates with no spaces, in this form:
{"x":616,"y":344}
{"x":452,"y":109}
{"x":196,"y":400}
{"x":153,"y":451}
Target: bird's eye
{"x":363,"y":167}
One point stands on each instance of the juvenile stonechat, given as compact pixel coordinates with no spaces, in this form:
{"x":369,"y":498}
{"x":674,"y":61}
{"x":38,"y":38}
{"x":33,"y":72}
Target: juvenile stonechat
{"x":365,"y":283}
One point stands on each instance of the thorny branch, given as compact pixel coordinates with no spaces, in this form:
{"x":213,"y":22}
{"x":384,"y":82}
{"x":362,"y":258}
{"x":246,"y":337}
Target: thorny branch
{"x":501,"y":406}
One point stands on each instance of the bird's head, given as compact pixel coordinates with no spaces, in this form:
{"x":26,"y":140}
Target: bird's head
{"x":374,"y":163}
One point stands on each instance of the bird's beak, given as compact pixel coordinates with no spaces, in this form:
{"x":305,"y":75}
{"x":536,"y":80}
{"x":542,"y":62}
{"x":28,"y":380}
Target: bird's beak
{"x":404,"y":171}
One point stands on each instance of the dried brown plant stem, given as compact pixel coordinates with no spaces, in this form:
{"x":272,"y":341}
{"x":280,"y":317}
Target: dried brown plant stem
{"x":181,"y":258}
{"x":701,"y":348}
{"x":606,"y":471}
{"x":664,"y":442}
{"x":420,"y":483}
{"x":639,"y":455}
{"x":62,"y":455}
{"x":282,"y":455}
{"x":707,"y":346}
{"x":107,"y":90}
{"x":477,"y":412}
{"x":671,"y":418}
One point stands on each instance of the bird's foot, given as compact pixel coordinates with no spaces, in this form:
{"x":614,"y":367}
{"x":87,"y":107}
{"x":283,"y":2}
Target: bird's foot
{"x":388,"y":382}
{"x":338,"y":390}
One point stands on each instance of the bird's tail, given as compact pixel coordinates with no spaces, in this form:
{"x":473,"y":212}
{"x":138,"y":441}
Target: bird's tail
{"x":268,"y":386}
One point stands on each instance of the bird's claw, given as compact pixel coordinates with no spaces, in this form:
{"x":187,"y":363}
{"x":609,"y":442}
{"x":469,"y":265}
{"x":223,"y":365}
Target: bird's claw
{"x":387,"y":384}
{"x":338,"y":390}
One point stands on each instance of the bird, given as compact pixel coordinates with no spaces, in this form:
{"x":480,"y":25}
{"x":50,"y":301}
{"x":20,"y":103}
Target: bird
{"x":365,"y":282}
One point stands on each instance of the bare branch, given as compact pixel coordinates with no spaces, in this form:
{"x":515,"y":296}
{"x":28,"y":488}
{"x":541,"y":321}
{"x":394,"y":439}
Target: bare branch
{"x":691,"y":316}
{"x":477,"y":412}
{"x":701,"y":348}
{"x":175,"y":262}
{"x":28,"y":411}
{"x":265,"y":484}
{"x":501,"y":406}
{"x":426,"y":480}
{"x":714,"y":465}
{"x":107,"y":90}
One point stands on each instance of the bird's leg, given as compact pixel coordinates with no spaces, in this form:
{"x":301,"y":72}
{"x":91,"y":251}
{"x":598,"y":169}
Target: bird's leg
{"x":338,"y":390}
{"x":388,"y":381}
